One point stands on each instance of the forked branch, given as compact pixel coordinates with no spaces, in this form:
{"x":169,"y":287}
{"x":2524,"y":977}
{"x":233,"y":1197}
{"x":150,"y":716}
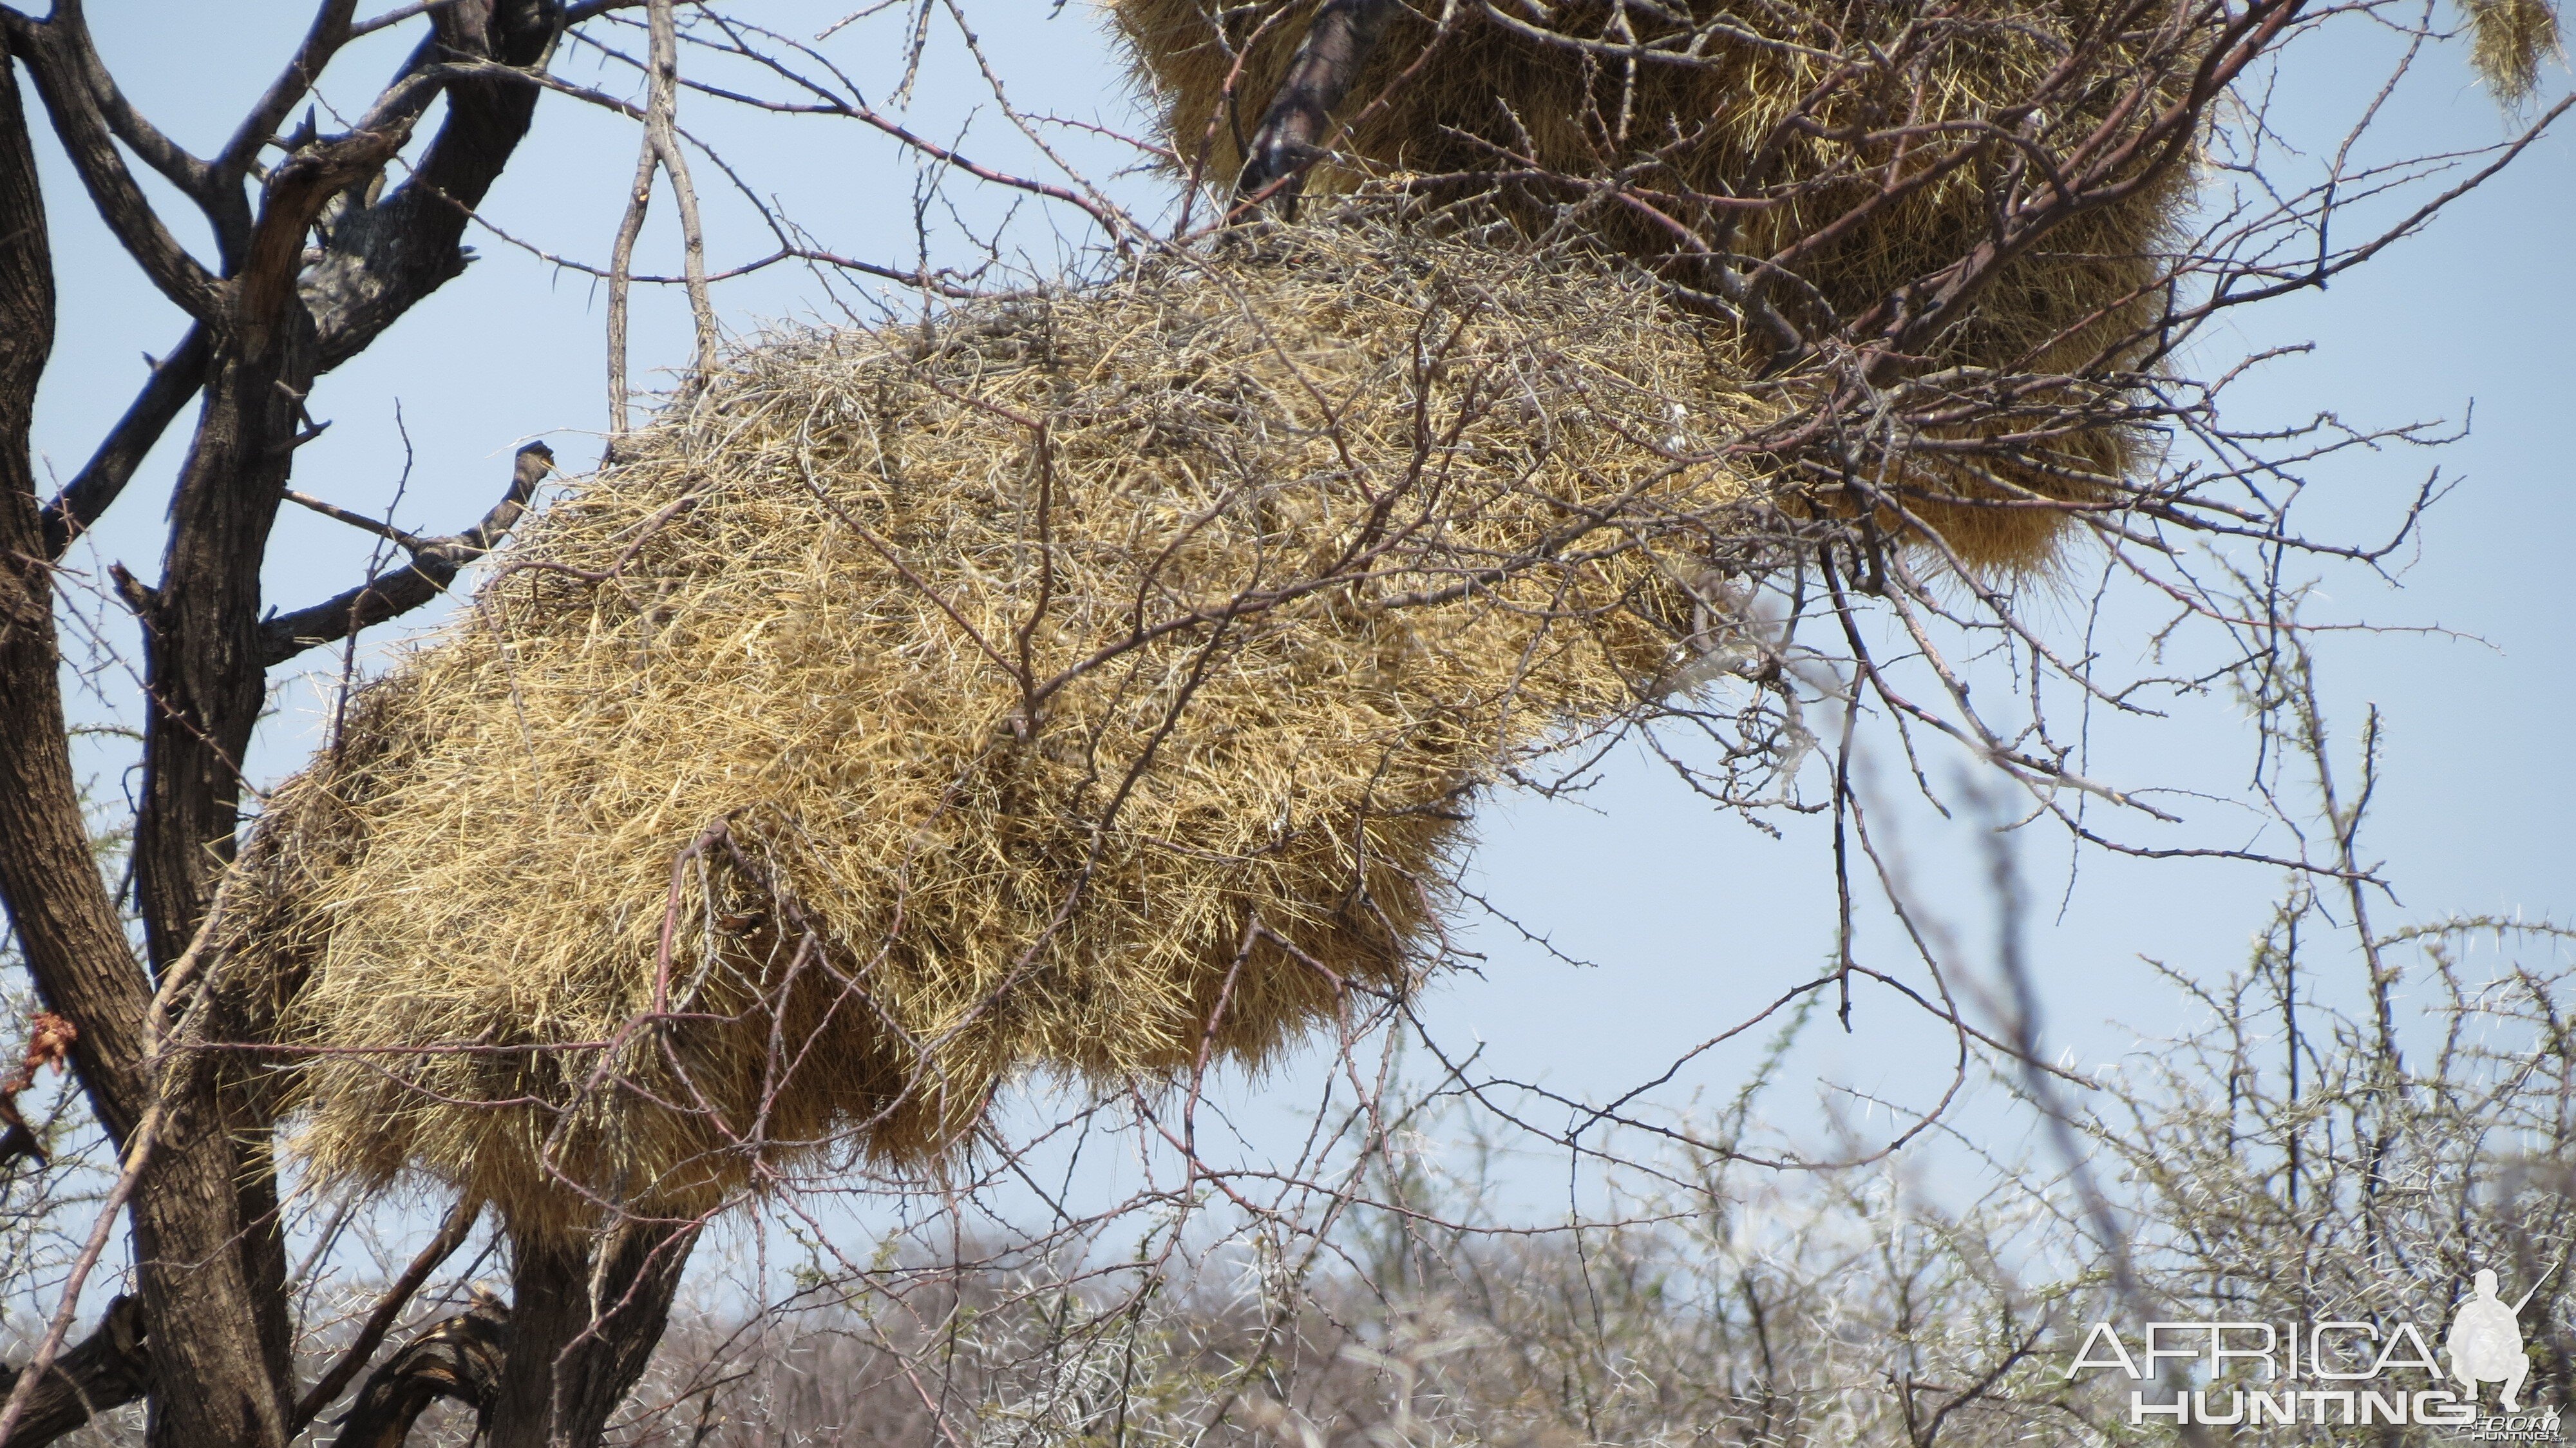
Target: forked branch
{"x":434,"y":565}
{"x":459,"y":1359}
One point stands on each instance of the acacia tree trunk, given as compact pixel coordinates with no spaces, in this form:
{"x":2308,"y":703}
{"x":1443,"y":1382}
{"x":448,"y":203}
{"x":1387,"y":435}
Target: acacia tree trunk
{"x":210,"y":1342}
{"x":584,"y":1320}
{"x":57,"y":902}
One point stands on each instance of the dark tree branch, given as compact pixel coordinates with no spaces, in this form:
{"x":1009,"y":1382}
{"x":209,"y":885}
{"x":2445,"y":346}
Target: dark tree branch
{"x":382,"y":259}
{"x":451,"y":1235}
{"x":218,"y":196}
{"x":87,"y":496}
{"x":460,"y":1359}
{"x":434,"y":565}
{"x":388,"y":19}
{"x":105,"y":1370}
{"x":411,"y":542}
{"x":295,"y":194}
{"x":330,"y":31}
{"x":54,"y":52}
{"x":1327,"y":64}
{"x":568,"y":1369}
{"x":383,"y":262}
{"x":67,"y":925}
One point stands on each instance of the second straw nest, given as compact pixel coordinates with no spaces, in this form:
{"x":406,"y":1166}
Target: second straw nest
{"x":1093,"y":681}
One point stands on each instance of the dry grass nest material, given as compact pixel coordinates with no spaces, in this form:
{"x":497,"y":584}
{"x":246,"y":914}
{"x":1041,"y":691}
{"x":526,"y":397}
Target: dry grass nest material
{"x":1093,"y":681}
{"x":1750,"y":129}
{"x":1768,"y":140}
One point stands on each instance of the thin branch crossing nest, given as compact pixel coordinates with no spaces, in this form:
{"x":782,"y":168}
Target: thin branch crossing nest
{"x":1094,"y":682}
{"x":1820,"y":170}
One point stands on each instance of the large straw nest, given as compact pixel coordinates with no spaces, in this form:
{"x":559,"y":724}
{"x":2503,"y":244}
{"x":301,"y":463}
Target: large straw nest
{"x":499,"y":914}
{"x":1530,"y":103}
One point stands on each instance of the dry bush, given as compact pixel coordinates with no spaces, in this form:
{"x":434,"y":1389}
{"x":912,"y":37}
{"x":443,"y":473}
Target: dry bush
{"x":1722,"y":1306}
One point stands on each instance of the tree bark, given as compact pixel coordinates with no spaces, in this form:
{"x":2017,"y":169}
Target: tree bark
{"x":207,"y":1238}
{"x":582,"y":1330}
{"x":382,"y":259}
{"x":67,"y":924}
{"x":1337,"y":45}
{"x":105,"y":1370}
{"x":460,"y":1359}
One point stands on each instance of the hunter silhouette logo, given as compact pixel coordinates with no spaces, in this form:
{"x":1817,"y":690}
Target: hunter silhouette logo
{"x":2485,"y":1342}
